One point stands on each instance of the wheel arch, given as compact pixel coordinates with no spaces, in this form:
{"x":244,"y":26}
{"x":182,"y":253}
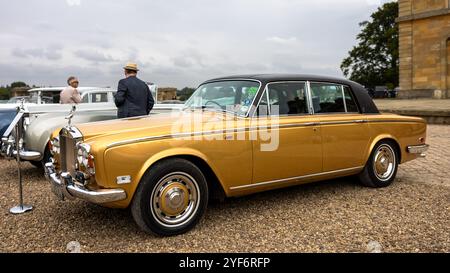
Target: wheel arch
{"x":217,"y":190}
{"x":384,"y":137}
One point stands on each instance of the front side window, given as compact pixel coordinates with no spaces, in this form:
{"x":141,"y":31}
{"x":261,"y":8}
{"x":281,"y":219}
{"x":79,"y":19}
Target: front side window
{"x":232,"y":96}
{"x":285,"y":99}
{"x":289,"y":97}
{"x":327,"y":98}
{"x":85,"y":98}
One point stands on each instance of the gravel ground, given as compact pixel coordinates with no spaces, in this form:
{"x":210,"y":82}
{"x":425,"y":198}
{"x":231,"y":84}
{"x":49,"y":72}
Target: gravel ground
{"x":332,"y":216}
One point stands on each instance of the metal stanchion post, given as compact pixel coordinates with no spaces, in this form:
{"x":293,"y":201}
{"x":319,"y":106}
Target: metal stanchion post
{"x":21,"y":208}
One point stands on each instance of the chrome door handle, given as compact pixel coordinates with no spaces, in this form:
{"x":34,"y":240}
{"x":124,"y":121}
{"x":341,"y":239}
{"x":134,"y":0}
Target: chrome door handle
{"x":360,"y":121}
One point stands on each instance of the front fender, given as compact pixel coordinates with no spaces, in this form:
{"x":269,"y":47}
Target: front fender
{"x":136,"y":164}
{"x":172,"y":153}
{"x":38,"y":132}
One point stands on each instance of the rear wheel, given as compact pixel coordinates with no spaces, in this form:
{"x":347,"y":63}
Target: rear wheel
{"x":382,"y":166}
{"x":171,"y":198}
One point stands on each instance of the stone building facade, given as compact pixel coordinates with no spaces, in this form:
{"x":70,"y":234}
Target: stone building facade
{"x":20,"y":91}
{"x":424,"y":27}
{"x":167,"y":93}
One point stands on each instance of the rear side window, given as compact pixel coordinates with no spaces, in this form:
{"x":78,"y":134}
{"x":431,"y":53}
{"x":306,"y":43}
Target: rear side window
{"x":332,"y":98}
{"x":99,"y":97}
{"x":327,"y":98}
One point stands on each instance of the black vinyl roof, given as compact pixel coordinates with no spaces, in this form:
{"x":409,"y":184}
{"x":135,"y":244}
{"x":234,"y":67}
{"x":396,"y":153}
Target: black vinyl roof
{"x":285,"y":77}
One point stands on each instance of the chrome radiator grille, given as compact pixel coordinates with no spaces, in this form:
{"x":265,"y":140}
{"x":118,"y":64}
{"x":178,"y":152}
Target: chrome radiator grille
{"x":68,"y":155}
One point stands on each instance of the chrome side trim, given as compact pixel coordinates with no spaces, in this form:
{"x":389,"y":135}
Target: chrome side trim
{"x":193,"y":134}
{"x":392,"y":120}
{"x":342,"y":122}
{"x":292,"y":125}
{"x":287,"y":125}
{"x":294,"y":178}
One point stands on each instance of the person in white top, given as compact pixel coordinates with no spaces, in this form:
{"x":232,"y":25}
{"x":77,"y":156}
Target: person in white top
{"x":70,"y":93}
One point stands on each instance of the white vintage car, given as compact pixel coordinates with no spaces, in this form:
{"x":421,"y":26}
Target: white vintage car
{"x":50,"y":95}
{"x":39,"y":120}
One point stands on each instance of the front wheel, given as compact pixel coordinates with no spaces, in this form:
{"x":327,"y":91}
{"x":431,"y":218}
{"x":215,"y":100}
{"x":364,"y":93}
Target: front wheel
{"x":171,"y":198}
{"x":381,"y":168}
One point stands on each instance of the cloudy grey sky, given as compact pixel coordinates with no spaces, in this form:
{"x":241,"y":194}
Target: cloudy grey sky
{"x":175,"y":42}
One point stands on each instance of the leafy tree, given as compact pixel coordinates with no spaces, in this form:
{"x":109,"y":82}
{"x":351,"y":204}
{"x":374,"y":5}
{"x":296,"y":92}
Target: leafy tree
{"x":4,"y":92}
{"x":374,"y":61}
{"x":18,"y":84}
{"x":185,"y":93}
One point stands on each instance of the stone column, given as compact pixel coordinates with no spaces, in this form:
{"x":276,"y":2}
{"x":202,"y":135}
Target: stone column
{"x":405,"y":49}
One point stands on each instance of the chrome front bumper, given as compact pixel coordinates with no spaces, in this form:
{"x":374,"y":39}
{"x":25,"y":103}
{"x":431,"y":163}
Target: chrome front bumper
{"x":418,"y":149}
{"x":8,"y":150}
{"x":64,"y":186}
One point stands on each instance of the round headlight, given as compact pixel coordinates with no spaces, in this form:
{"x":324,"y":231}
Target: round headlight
{"x":54,"y":145}
{"x":84,"y":158}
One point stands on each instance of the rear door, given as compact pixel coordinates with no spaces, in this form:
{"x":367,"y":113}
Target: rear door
{"x":345,"y":132}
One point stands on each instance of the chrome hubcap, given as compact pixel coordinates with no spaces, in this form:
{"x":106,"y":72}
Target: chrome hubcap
{"x":175,"y":199}
{"x":384,"y":162}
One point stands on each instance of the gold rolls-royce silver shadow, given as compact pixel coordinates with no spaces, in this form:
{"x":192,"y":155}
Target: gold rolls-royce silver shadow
{"x":236,"y":135}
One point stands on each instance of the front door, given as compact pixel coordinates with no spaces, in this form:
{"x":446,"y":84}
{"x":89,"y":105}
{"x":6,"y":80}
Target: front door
{"x":292,"y":147}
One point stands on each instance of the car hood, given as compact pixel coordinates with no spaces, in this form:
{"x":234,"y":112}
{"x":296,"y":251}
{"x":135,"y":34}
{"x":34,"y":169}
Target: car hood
{"x":155,"y":125}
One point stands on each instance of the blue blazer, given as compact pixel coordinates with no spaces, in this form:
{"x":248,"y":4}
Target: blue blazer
{"x":133,"y":98}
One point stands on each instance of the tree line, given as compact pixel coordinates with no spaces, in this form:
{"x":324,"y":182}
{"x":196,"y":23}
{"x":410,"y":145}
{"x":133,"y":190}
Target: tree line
{"x":5,"y":91}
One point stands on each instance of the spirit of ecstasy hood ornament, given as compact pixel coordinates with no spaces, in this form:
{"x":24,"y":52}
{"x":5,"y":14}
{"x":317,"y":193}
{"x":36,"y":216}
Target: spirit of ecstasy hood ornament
{"x":70,"y":116}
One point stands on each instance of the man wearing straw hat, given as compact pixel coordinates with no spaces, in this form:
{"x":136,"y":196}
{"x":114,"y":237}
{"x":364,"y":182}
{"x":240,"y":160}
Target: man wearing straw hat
{"x":133,"y":97}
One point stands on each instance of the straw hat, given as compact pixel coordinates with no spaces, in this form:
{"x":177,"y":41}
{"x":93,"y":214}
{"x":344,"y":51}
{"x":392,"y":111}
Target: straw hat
{"x":131,"y":66}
